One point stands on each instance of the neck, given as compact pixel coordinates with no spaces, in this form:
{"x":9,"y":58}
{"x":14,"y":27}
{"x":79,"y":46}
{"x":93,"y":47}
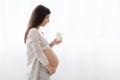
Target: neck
{"x":38,"y":27}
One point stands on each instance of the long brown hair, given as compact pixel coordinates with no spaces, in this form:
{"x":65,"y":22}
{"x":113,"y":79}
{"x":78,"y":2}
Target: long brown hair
{"x":37,"y":17}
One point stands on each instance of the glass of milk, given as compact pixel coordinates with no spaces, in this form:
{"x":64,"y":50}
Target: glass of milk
{"x":58,"y":36}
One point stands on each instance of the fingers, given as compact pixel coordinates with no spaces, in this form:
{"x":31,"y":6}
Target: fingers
{"x":50,"y":69}
{"x":58,"y":41}
{"x":51,"y":72}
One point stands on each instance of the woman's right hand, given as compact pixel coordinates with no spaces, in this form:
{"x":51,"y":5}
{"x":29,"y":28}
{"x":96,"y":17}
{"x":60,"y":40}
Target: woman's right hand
{"x":50,"y":69}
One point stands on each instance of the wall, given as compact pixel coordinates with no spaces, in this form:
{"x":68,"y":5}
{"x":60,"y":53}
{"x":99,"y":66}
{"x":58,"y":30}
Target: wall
{"x":91,"y":38}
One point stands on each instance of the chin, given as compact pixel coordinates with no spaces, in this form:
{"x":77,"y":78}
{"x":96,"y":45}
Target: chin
{"x":43,"y":25}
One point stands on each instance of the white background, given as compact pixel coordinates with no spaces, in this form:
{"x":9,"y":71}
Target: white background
{"x":91,"y":38}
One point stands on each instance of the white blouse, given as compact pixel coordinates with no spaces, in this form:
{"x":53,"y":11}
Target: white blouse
{"x":35,"y":44}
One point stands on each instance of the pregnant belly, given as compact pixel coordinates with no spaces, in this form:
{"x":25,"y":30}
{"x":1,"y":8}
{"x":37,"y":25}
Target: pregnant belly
{"x":51,"y":56}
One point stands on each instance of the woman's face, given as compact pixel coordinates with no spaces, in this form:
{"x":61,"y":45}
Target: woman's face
{"x":46,"y":20}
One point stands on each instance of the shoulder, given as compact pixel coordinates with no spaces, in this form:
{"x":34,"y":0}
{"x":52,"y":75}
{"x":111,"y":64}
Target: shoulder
{"x":33,"y":32}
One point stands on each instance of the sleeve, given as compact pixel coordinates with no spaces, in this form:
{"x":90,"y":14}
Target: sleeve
{"x":33,"y":37}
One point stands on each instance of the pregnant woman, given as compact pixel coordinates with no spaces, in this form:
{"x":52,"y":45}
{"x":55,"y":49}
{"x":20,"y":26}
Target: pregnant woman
{"x":41,"y":59}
